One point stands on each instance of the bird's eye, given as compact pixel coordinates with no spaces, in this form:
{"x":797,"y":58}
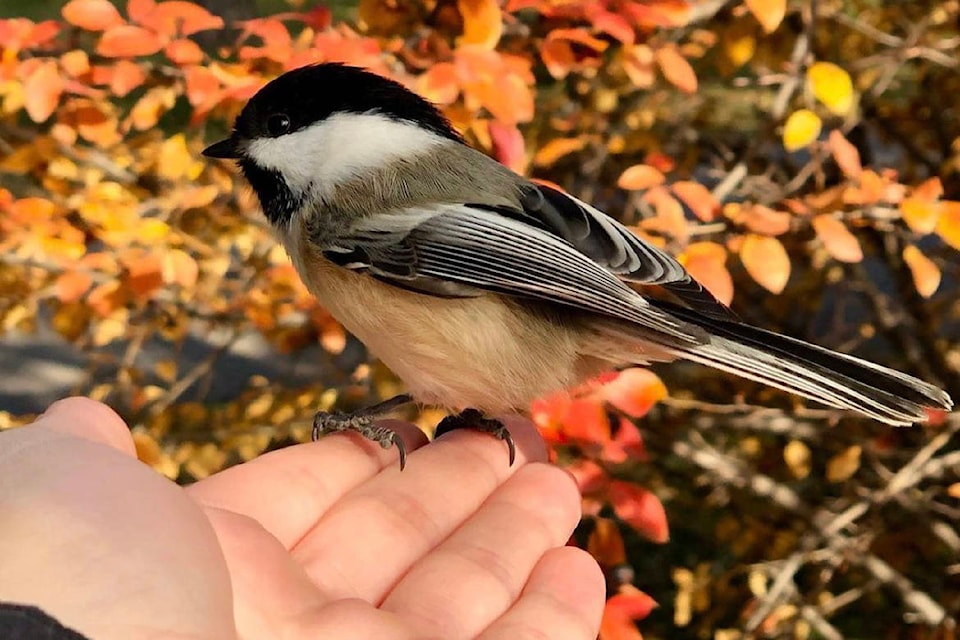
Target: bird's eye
{"x":278,"y":124}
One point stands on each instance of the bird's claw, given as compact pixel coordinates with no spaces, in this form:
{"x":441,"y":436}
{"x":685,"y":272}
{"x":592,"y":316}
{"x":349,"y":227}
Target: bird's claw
{"x":473,"y":419}
{"x":332,"y":422}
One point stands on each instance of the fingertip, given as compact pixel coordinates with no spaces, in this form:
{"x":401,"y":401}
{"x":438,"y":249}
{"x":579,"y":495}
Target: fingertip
{"x":574,"y":576}
{"x":526,"y":437}
{"x":88,"y":419}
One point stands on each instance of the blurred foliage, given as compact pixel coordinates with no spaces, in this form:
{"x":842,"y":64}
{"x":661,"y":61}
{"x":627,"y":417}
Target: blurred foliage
{"x":801,"y":158}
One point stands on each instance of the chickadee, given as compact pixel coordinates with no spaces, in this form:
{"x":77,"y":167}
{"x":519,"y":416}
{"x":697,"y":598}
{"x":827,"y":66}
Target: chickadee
{"x":479,"y":288}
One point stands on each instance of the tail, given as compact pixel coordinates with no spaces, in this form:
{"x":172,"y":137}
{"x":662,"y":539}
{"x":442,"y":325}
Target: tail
{"x":835,"y":379}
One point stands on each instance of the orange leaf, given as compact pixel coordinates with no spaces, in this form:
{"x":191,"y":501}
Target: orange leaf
{"x":638,"y":65}
{"x":622,"y":610}
{"x":587,"y":421}
{"x":139,"y":10}
{"x":179,"y":268}
{"x":557,"y":148}
{"x":439,"y":84}
{"x":845,"y":154}
{"x":127,"y":76}
{"x":769,"y":13}
{"x":949,"y":224}
{"x":762,"y":219}
{"x":766,"y":261}
{"x":42,"y":91}
{"x":128,"y":41}
{"x":641,"y":509}
{"x":930,"y":190}
{"x":203,"y":88}
{"x":698,"y":198}
{"x":183,"y":52}
{"x":676,"y":69}
{"x":144,"y":273}
{"x":669,"y":219}
{"x":926,"y":274}
{"x":580,"y":37}
{"x":640,"y":176}
{"x":837,"y":239}
{"x":613,"y":24}
{"x":482,"y":23}
{"x":634,"y":391}
{"x":93,"y":15}
{"x":605,"y":543}
{"x":71,"y":286}
{"x":920,"y":214}
{"x":707,"y":263}
{"x":179,"y":17}
{"x":558,"y":58}
{"x":75,"y":63}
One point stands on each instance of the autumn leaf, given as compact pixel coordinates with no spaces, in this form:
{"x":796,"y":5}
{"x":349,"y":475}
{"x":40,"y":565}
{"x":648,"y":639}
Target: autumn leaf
{"x":92,"y":15}
{"x":183,"y":52}
{"x":948,"y":226}
{"x":640,"y":176}
{"x":837,"y":239}
{"x":621,"y":611}
{"x":706,"y":262}
{"x":769,"y":13}
{"x":128,"y":41}
{"x":634,"y":391}
{"x":42,"y":91}
{"x":766,"y":261}
{"x":555,"y":149}
{"x":676,"y":69}
{"x":760,"y":218}
{"x":71,"y":286}
{"x":508,"y":146}
{"x":482,"y":22}
{"x":926,"y":274}
{"x":698,"y":198}
{"x":832,"y":86}
{"x":801,"y":128}
{"x":605,"y":543}
{"x":845,"y":154}
{"x":842,"y":466}
{"x":641,"y":509}
{"x":178,"y":17}
{"x":797,"y":456}
{"x":439,"y":84}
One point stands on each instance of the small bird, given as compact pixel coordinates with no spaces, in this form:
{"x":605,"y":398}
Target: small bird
{"x":481,"y":289}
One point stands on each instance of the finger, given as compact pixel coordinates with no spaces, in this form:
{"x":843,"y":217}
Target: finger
{"x":351,"y":618}
{"x":372,"y":537}
{"x":90,"y":420}
{"x":269,"y":588}
{"x":563,"y":600}
{"x":288,"y":490}
{"x":474,"y":576}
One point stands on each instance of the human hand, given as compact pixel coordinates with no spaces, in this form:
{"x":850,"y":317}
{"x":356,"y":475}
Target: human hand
{"x":327,"y":539}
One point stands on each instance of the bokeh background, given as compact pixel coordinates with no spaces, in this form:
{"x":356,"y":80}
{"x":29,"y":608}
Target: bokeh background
{"x":801,"y":157}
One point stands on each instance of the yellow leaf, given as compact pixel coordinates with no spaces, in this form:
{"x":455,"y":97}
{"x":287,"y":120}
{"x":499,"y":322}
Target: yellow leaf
{"x":769,"y":13}
{"x":921,"y":215}
{"x":832,"y":86}
{"x":802,"y":127}
{"x":843,"y":465}
{"x":797,"y":456}
{"x":837,"y":239}
{"x":766,"y":261}
{"x":926,"y":274}
{"x":739,"y":43}
{"x":948,"y":226}
{"x":482,"y":22}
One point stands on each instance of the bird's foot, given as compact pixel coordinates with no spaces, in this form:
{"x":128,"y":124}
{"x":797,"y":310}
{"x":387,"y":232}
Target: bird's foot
{"x":473,"y":419}
{"x":363,"y":422}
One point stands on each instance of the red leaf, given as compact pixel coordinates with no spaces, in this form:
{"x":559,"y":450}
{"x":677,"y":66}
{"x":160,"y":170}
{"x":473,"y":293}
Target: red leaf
{"x":128,"y":41}
{"x":42,"y":90}
{"x":587,"y":421}
{"x":621,"y":611}
{"x":508,"y":145}
{"x":641,"y":509}
{"x":93,"y":15}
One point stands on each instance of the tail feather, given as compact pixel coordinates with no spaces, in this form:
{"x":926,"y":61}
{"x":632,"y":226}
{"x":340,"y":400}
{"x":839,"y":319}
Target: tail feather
{"x":835,"y":379}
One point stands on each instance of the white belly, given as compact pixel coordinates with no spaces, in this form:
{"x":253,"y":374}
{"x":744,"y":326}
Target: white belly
{"x":455,"y":353}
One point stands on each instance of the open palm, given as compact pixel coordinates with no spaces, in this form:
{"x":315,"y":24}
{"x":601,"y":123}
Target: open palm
{"x":326,"y":540}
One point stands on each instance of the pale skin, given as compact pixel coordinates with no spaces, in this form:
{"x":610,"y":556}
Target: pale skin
{"x":322,"y":540}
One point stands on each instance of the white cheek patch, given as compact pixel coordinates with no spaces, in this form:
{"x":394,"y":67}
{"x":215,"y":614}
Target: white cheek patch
{"x":339,"y":148}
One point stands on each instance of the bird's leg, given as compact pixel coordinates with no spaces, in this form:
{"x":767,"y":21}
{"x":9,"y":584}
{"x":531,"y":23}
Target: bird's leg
{"x":473,"y":419}
{"x":362,"y":421}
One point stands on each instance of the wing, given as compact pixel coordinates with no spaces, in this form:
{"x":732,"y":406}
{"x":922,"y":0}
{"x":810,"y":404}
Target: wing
{"x":615,"y":247}
{"x":462,"y":250}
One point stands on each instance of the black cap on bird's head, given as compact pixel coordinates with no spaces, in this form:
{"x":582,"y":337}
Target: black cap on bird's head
{"x":307,"y":95}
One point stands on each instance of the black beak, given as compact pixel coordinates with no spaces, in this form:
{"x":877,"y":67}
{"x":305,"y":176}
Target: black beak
{"x":227,"y":149}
